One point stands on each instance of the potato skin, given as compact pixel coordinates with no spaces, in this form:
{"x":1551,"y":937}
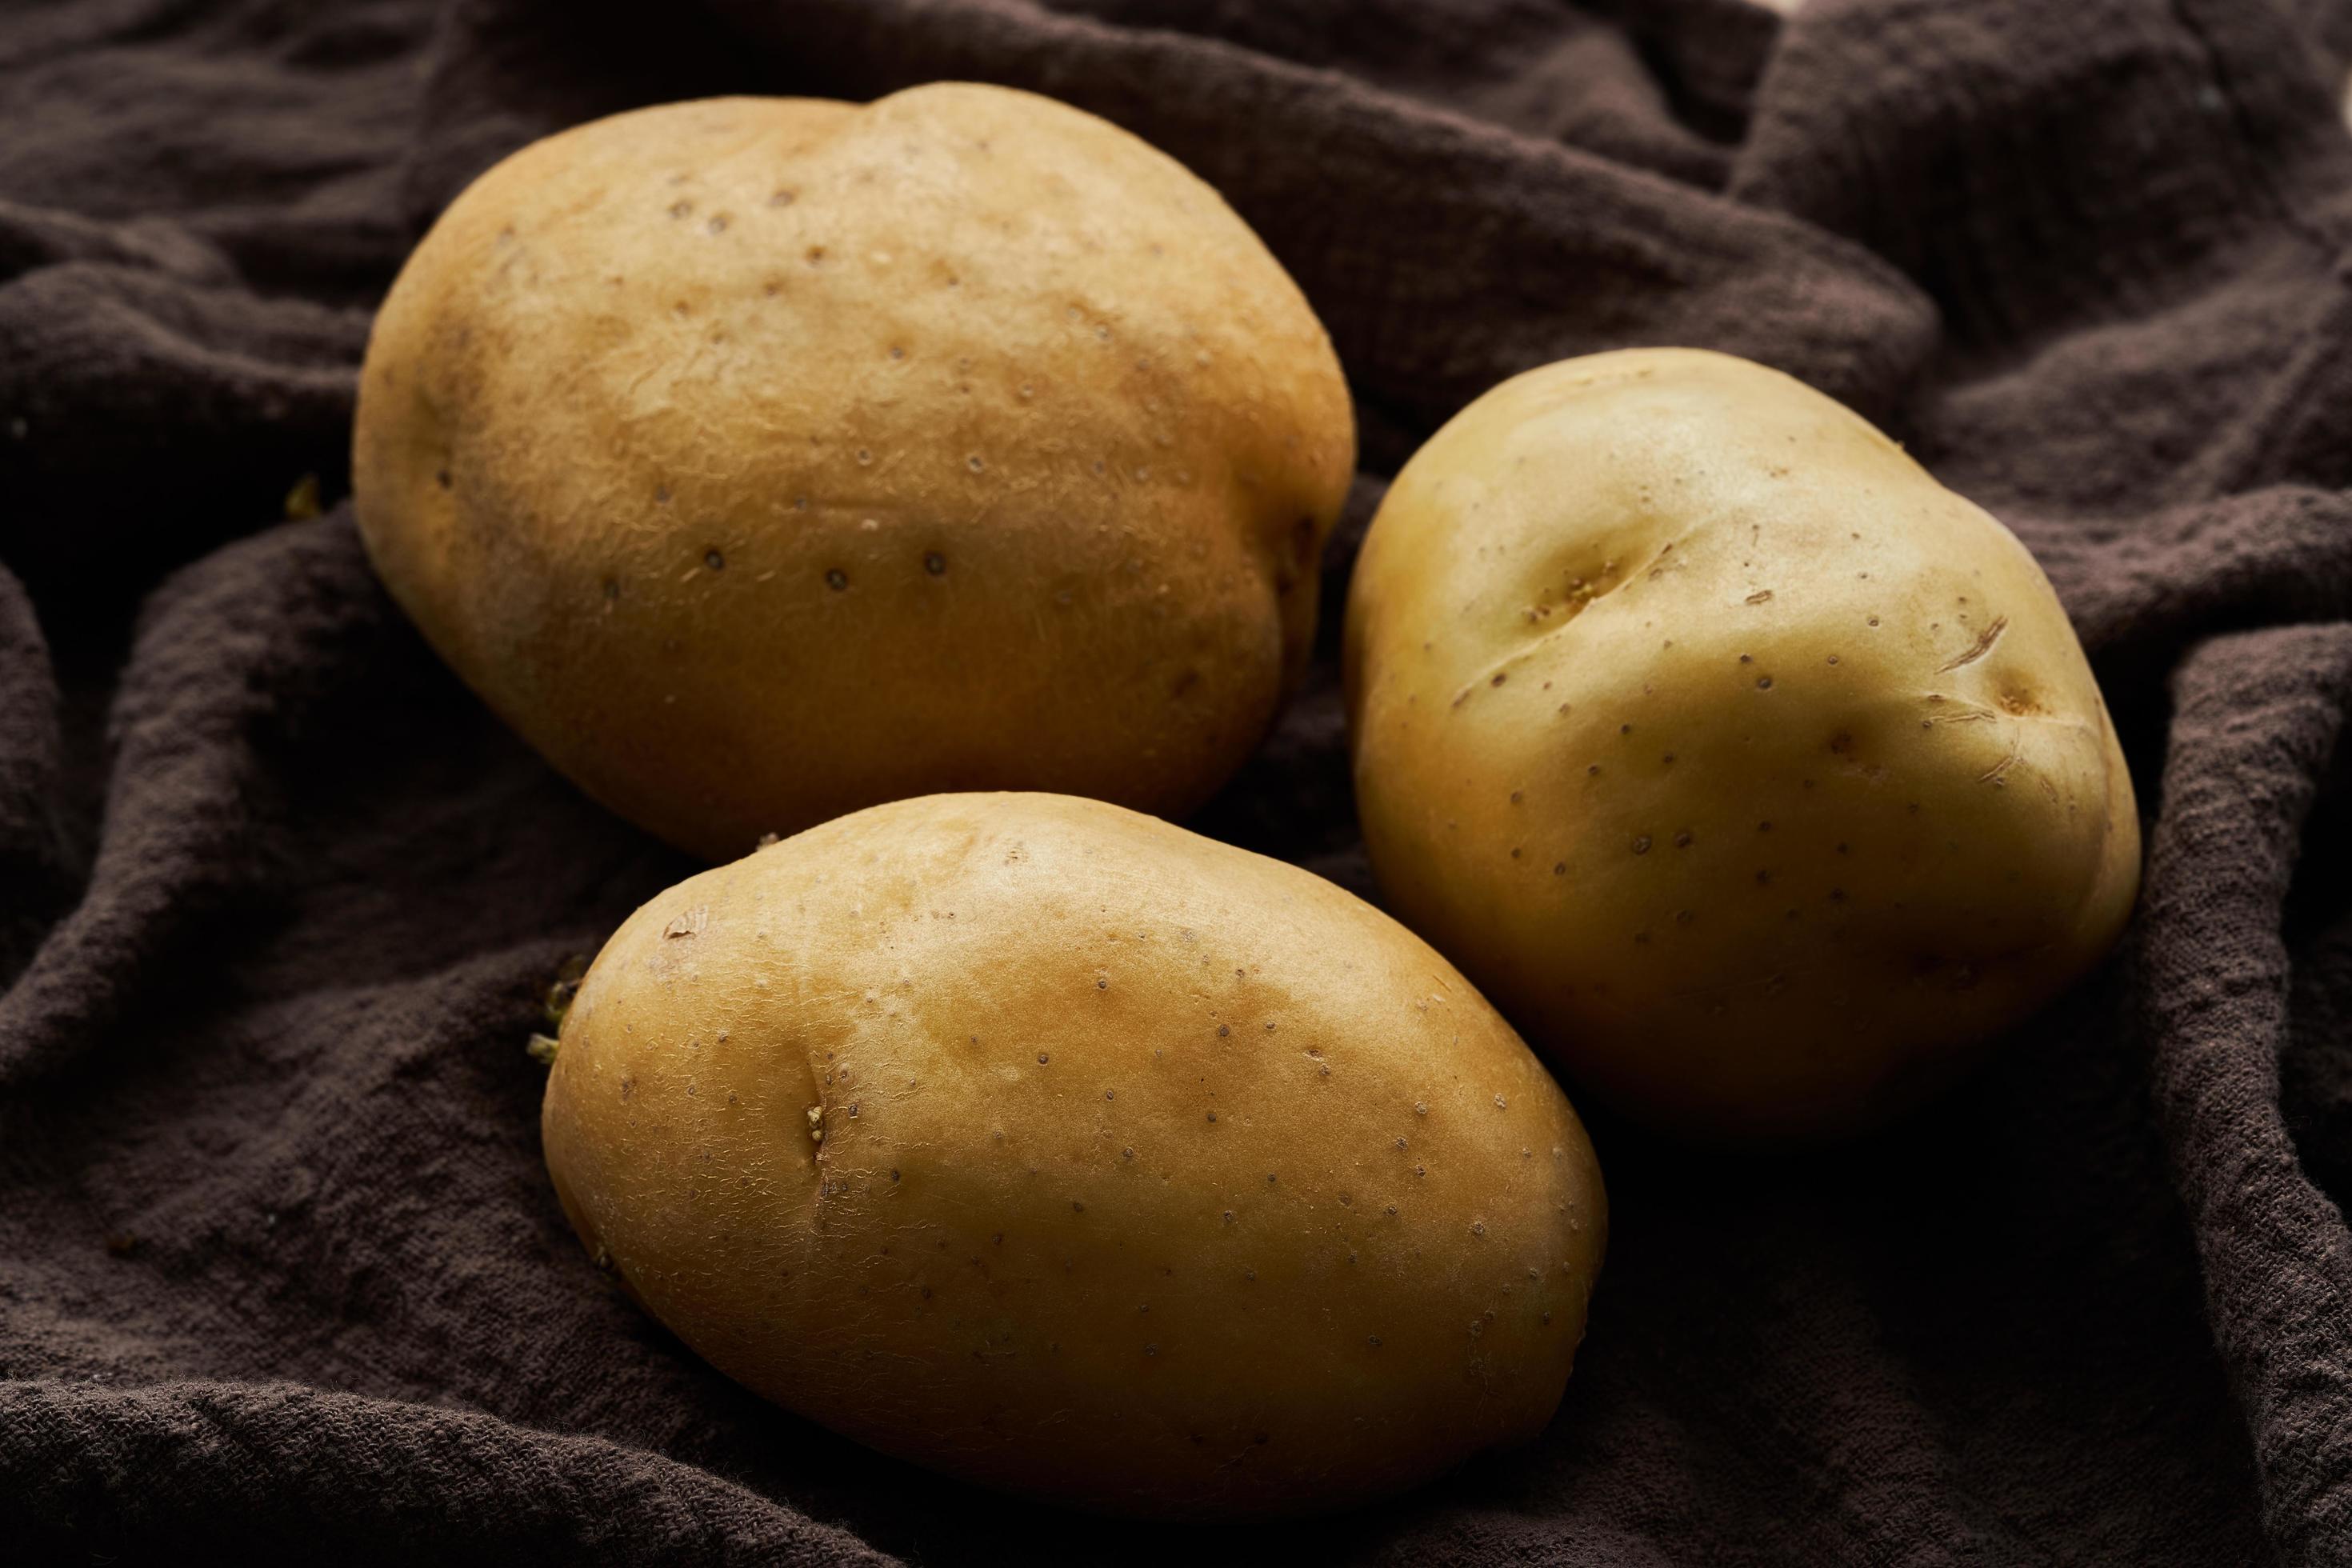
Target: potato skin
{"x":760,"y":460}
{"x":1157,"y":1177}
{"x":1756,"y":777}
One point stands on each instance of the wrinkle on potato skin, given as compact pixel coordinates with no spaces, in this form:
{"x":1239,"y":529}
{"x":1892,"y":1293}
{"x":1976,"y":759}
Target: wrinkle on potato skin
{"x":1769,"y":836}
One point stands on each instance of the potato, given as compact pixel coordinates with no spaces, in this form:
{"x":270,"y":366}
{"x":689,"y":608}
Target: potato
{"x":759,"y":459}
{"x":1043,"y":1143}
{"x":1756,"y":777}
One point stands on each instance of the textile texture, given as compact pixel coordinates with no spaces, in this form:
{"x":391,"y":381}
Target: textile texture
{"x":279,"y":1266}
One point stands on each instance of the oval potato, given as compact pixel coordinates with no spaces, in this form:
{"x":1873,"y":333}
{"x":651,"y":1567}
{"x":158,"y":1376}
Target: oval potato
{"x":1755,"y":776}
{"x":759,"y":459}
{"x":1061,"y":1149}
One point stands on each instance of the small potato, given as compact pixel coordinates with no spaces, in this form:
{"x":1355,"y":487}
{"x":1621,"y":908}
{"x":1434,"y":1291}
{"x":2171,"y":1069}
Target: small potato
{"x":759,"y":459}
{"x":1055,"y":1147}
{"x":1757,"y":777}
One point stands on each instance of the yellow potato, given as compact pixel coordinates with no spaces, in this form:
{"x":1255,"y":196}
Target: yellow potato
{"x":762,"y":459}
{"x":1756,"y":777}
{"x":1064,"y":1150}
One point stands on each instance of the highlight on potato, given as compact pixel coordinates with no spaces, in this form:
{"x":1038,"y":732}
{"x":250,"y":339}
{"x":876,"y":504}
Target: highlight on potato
{"x":760,"y":460}
{"x":1053,"y":1146}
{"x":1756,"y":777}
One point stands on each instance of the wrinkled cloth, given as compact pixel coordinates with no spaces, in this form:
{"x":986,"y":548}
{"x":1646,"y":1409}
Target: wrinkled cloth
{"x":279,"y":1266}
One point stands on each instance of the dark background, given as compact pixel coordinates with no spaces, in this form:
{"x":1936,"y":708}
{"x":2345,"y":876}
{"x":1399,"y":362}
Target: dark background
{"x":279,"y":1268}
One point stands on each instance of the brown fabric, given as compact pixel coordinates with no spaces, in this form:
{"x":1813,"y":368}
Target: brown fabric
{"x":280,"y":1268}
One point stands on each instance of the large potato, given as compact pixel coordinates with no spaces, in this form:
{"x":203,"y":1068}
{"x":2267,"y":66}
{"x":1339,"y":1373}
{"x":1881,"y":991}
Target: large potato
{"x":1755,"y":775}
{"x":763,"y":458}
{"x":1048,"y":1144}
